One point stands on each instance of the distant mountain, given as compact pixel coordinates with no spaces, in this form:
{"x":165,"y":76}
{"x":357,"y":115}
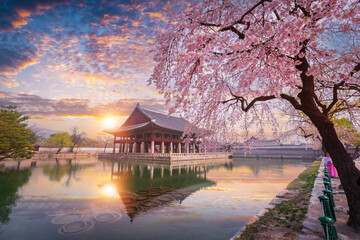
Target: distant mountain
{"x":44,"y":132}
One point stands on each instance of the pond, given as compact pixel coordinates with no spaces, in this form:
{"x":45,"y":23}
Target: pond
{"x":93,"y":199}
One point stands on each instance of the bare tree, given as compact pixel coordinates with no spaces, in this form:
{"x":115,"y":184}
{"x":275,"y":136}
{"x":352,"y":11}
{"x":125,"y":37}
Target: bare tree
{"x":76,"y":137}
{"x":105,"y":140}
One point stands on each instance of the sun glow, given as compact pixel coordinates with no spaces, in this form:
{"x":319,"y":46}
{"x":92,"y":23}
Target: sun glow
{"x":109,"y":122}
{"x":109,"y":190}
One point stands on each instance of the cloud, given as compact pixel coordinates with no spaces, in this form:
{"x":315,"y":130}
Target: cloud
{"x":8,"y":81}
{"x":80,"y":45}
{"x":15,"y":57}
{"x":90,"y":36}
{"x":125,"y":106}
{"x":16,"y":13}
{"x":37,"y":107}
{"x":34,"y":105}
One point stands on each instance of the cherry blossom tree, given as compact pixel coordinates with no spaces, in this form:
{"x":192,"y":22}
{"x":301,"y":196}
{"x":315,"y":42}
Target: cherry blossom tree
{"x":223,"y":62}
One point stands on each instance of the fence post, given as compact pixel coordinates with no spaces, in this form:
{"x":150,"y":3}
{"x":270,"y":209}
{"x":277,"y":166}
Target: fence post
{"x":328,"y":185}
{"x":329,"y":228}
{"x":326,"y":179}
{"x":325,"y":203}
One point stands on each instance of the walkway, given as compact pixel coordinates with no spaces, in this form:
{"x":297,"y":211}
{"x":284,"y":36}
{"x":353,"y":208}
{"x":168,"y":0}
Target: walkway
{"x":312,"y":229}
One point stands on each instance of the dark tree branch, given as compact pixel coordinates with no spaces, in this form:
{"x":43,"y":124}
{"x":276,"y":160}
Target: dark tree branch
{"x":304,"y":132}
{"x":245,"y":106}
{"x":303,"y":10}
{"x":350,"y":86}
{"x":240,"y":21}
{"x":355,"y":70}
{"x":196,"y":64}
{"x":323,"y":106}
{"x":292,"y":100}
{"x":335,"y":96}
{"x":277,"y":15}
{"x":233,"y":29}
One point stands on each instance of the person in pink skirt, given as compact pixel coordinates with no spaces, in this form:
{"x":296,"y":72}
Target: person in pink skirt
{"x":329,"y":164}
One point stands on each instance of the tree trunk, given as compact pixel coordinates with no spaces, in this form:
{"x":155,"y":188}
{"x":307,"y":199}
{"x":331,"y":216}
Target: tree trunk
{"x":72,"y":147}
{"x":105,"y":147}
{"x":59,"y":150}
{"x":348,"y":172}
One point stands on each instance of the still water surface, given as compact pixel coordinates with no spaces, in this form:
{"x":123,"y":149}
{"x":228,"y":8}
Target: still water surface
{"x":93,"y":199}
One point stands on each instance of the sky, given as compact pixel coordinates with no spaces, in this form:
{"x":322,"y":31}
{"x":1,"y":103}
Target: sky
{"x":76,"y":63}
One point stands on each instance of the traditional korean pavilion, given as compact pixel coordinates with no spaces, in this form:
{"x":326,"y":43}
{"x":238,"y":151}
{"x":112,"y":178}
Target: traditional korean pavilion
{"x":148,"y":131}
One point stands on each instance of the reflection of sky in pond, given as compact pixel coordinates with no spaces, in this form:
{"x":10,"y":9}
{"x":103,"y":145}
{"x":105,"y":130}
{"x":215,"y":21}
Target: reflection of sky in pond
{"x":89,"y":199}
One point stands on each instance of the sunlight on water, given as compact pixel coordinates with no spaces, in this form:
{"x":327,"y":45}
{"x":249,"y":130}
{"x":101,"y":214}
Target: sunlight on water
{"x":92,"y":199}
{"x":109,"y":190}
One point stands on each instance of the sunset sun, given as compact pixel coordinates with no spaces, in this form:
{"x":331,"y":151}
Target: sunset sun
{"x":109,"y":122}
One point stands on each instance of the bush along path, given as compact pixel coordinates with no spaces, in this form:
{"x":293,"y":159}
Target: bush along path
{"x":284,"y":221}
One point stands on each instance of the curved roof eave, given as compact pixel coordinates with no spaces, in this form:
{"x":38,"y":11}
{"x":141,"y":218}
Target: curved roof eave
{"x":128,"y":128}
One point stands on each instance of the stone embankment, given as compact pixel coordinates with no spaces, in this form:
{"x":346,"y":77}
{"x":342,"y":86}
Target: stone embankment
{"x":166,"y":157}
{"x":62,"y":155}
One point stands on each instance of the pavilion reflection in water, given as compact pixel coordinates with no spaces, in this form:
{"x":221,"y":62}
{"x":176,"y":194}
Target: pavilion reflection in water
{"x":145,"y":186}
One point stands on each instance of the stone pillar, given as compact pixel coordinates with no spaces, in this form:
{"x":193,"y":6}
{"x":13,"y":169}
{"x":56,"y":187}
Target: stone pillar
{"x":171,"y":147}
{"x":187,"y":147}
{"x":199,"y":147}
{"x":112,"y":171}
{"x":134,"y":147}
{"x":152,"y":146}
{"x":120,"y":146}
{"x":114,"y":144}
{"x":194,"y":148}
{"x":142,"y":147}
{"x":179,"y":147}
{"x":162,"y":147}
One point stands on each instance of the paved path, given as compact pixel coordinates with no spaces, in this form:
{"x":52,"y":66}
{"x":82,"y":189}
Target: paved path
{"x":312,"y":228}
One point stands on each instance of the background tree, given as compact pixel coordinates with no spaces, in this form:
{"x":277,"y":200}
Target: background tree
{"x":60,"y":140}
{"x":348,"y":134}
{"x":105,"y":140}
{"x":76,"y":137}
{"x":14,"y":135}
{"x":223,"y":61}
{"x":89,"y":142}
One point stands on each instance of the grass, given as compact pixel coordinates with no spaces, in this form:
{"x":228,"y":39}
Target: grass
{"x":286,"y":217}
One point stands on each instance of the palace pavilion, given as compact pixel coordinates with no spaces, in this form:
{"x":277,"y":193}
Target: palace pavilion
{"x":148,"y":131}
